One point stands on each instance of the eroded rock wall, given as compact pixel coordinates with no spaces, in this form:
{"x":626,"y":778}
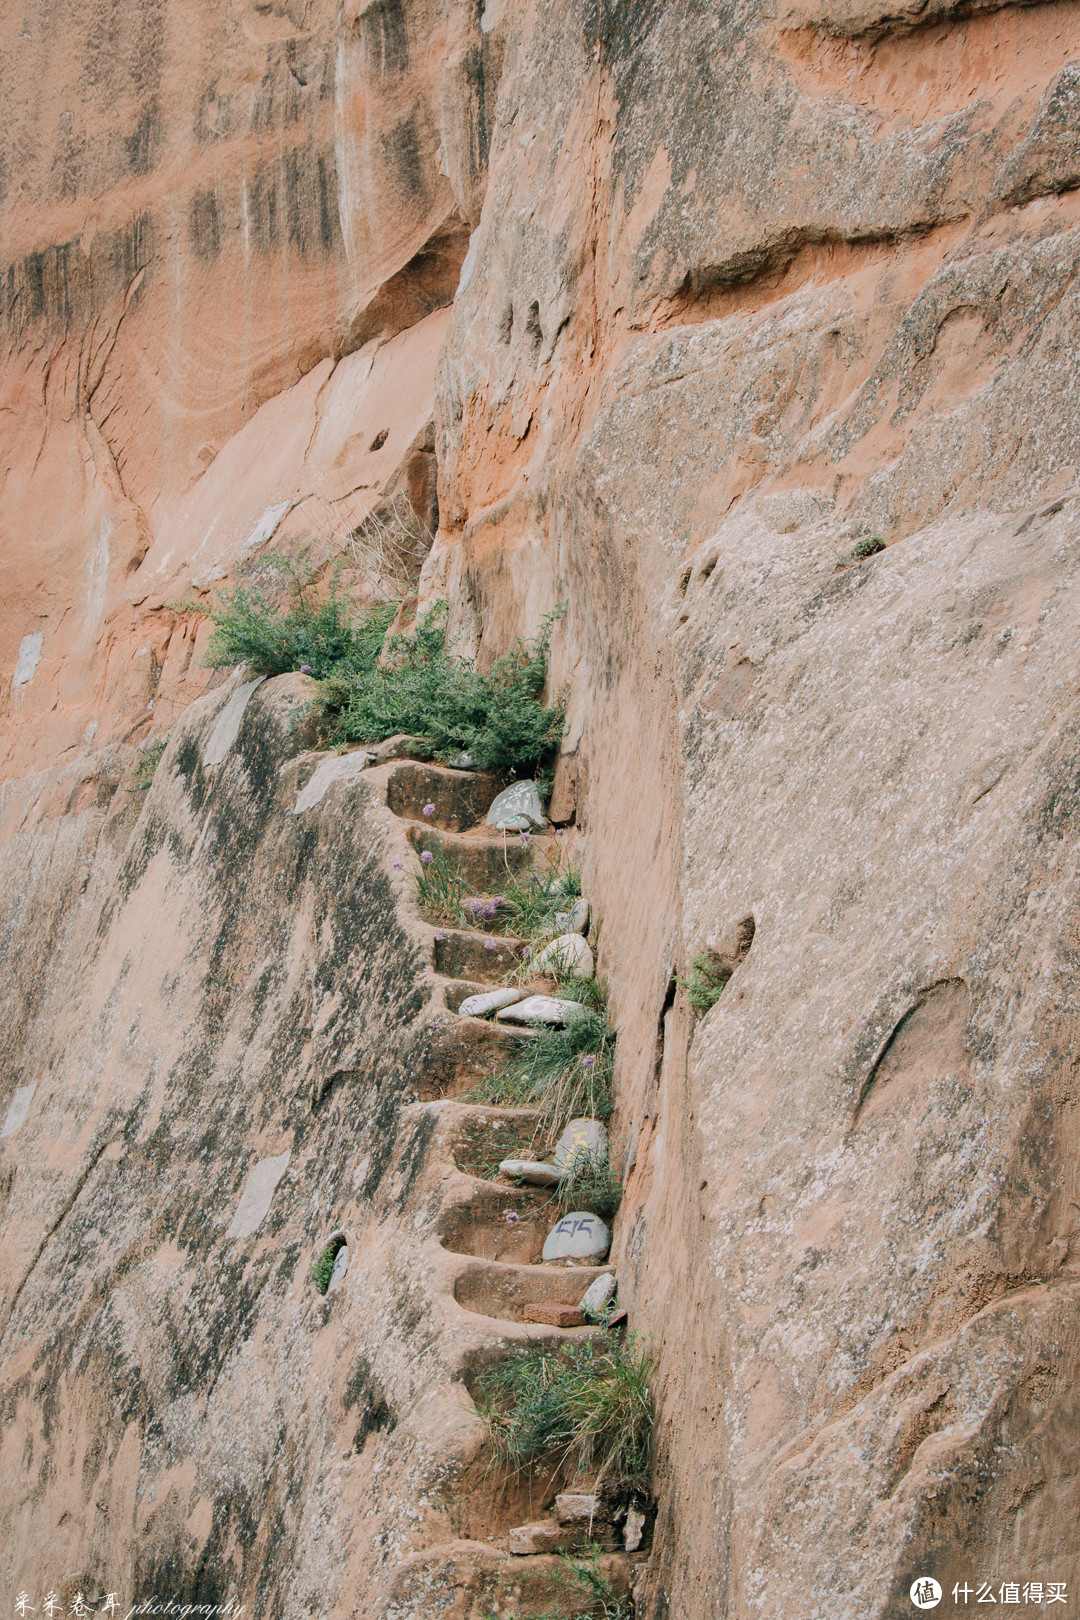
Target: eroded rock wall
{"x":745,"y":288}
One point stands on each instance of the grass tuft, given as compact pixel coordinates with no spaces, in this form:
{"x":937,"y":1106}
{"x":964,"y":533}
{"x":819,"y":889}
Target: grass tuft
{"x":562,"y":1073}
{"x":591,"y":1184}
{"x":587,"y":1404}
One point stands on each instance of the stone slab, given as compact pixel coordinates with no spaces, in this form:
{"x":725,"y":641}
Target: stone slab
{"x":227,"y":727}
{"x":545,"y":1537}
{"x":542,"y":1010}
{"x":580,"y":1507}
{"x":560,"y":1316}
{"x":578,"y":1237}
{"x":330,"y":770}
{"x":480,"y":1006}
{"x":258,"y":1194}
{"x":574,"y":921}
{"x":530,"y":1170}
{"x":19,"y":1107}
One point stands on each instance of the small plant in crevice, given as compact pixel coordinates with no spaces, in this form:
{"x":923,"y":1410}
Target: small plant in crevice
{"x":149,"y":758}
{"x":441,"y":889}
{"x":531,"y":897}
{"x":323,"y":1268}
{"x":706,"y":983}
{"x":586,"y":1405}
{"x":867,"y":548}
{"x":590,"y":1183}
{"x":562,"y":1073}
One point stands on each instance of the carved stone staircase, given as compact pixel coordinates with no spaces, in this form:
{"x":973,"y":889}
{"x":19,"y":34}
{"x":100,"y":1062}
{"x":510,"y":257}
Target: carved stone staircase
{"x":486,"y":1269}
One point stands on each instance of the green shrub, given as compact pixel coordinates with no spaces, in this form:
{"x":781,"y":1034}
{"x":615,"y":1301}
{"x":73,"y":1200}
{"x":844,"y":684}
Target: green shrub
{"x":587,"y":1403}
{"x":867,"y":548}
{"x":147,"y":763}
{"x":318,"y":635}
{"x":323,"y":1268}
{"x":706,"y":983}
{"x":563,"y":1073}
{"x":496,"y":716}
{"x":590,"y":1183}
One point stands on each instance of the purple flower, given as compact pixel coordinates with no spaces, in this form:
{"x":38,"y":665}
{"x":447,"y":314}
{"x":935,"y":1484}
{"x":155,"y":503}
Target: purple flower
{"x":513,"y":1218}
{"x":587,"y":1061}
{"x":305,"y":669}
{"x":399,"y":866}
{"x":426,"y":856}
{"x":439,"y":935}
{"x":428,"y":810}
{"x":489,"y":944}
{"x":490,"y":909}
{"x":526,"y":838}
{"x":475,"y":906}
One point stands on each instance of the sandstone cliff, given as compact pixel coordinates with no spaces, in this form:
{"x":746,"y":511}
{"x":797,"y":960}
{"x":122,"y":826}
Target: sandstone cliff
{"x":683,"y":304}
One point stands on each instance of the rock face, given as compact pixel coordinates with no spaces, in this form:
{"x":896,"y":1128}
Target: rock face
{"x":685,"y":302}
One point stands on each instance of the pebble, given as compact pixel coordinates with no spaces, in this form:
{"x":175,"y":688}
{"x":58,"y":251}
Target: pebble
{"x":578,"y":1236}
{"x":463,"y":762}
{"x":569,"y":953}
{"x":480,"y":1006}
{"x":516,"y":807}
{"x":596,"y":1297}
{"x":542,"y":1010}
{"x":581,"y":1136}
{"x":537,"y":1175}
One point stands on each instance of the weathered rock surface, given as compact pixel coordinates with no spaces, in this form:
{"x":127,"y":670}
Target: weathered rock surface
{"x":577,"y":1237}
{"x":541,"y":1010}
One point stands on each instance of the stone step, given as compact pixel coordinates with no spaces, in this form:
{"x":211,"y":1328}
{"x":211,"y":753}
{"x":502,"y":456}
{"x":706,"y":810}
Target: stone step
{"x":482,"y":857}
{"x":483,"y":959}
{"x":460,"y":798}
{"x":473,"y":1580}
{"x":504,"y":1291}
{"x":460,"y":1052}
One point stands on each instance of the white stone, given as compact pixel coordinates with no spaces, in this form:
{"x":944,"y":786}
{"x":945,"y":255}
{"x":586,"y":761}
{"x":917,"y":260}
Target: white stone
{"x":463,"y":762}
{"x":574,"y":921}
{"x":635,"y":1524}
{"x":331,"y":770}
{"x":542,"y":1010}
{"x":537,"y":1175}
{"x":257,"y":1196}
{"x":341,"y":1266}
{"x":227,"y":728}
{"x":581,"y":1136}
{"x":519,"y":799}
{"x":578,"y":1236}
{"x":28,"y":658}
{"x":491,"y":1001}
{"x":599,"y":1292}
{"x":19,"y":1107}
{"x":569,"y":953}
